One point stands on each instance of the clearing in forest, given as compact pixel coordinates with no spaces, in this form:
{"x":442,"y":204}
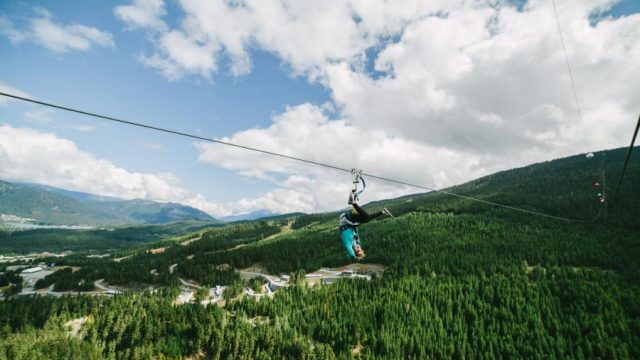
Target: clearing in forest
{"x":185,"y":243}
{"x":75,"y":325}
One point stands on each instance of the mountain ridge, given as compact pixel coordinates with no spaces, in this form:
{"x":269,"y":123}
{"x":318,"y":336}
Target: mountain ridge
{"x":50,"y":205}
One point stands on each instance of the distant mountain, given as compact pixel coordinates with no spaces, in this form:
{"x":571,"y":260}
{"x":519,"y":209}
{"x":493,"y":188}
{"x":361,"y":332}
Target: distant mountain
{"x":151,"y":212}
{"x":75,"y":195}
{"x":289,"y":216}
{"x":262,"y":215}
{"x":250,"y":216}
{"x":50,"y":205}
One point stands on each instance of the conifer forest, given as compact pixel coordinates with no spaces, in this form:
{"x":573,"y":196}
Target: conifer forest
{"x":461,"y":280}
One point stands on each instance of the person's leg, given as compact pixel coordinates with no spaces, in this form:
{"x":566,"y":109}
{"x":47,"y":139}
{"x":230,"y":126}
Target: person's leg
{"x":362,"y":216}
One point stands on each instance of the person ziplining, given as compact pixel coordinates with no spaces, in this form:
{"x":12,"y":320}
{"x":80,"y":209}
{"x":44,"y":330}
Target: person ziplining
{"x":351,"y":219}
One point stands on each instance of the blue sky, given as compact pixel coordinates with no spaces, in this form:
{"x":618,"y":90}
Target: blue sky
{"x":111,"y":81}
{"x":348,"y":86}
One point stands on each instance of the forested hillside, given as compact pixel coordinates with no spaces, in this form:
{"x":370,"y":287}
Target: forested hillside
{"x":562,"y":187}
{"x":463,"y":280}
{"x":60,"y":240}
{"x":48,"y":207}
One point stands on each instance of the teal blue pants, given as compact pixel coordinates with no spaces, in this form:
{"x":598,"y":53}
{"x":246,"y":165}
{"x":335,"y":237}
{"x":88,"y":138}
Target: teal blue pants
{"x":348,"y":235}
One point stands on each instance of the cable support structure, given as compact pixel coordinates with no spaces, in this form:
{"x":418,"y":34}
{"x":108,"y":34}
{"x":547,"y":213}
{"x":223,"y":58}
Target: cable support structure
{"x":626,"y":161}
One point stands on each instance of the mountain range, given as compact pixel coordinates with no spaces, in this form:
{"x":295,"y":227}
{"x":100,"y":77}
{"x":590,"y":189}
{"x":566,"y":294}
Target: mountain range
{"x":55,"y":206}
{"x":254,"y":215}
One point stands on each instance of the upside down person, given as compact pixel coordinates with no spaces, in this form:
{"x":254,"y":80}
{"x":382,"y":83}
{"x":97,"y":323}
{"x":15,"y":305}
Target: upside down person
{"x":349,"y":222}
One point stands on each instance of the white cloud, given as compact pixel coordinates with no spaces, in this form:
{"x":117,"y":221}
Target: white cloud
{"x":43,"y":158}
{"x":83,"y":127}
{"x":296,"y":31}
{"x":183,"y":55}
{"x":458,"y":88}
{"x":443,"y":74}
{"x":454,"y":74}
{"x":305,"y":131}
{"x":59,"y":38}
{"x":39,"y":115}
{"x":307,"y":35}
{"x":31,"y":155}
{"x":143,"y":14}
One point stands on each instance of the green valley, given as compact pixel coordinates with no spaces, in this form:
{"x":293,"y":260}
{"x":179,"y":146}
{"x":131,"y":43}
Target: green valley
{"x":461,"y":280}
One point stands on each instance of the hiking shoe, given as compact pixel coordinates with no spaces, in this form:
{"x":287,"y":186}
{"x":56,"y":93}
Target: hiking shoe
{"x":386,"y":212}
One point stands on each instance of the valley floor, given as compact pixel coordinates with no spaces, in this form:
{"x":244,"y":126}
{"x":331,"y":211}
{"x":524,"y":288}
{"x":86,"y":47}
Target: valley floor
{"x":214,"y":294}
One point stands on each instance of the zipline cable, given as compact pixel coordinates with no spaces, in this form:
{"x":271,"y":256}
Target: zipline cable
{"x":133,"y":123}
{"x":571,"y":78}
{"x":626,"y":162}
{"x":479,"y":200}
{"x":577,"y":100}
{"x":166,"y":130}
{"x":603,"y":177}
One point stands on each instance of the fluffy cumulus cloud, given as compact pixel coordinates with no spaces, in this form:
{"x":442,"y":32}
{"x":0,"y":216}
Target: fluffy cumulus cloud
{"x":436,"y":92}
{"x":478,"y":75}
{"x":40,"y":157}
{"x":305,"y":131}
{"x":143,"y":14}
{"x":492,"y":79}
{"x":307,"y":35}
{"x":45,"y":31}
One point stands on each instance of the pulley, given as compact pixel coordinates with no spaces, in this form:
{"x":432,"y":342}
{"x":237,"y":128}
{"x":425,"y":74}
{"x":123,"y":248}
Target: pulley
{"x":357,"y":178}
